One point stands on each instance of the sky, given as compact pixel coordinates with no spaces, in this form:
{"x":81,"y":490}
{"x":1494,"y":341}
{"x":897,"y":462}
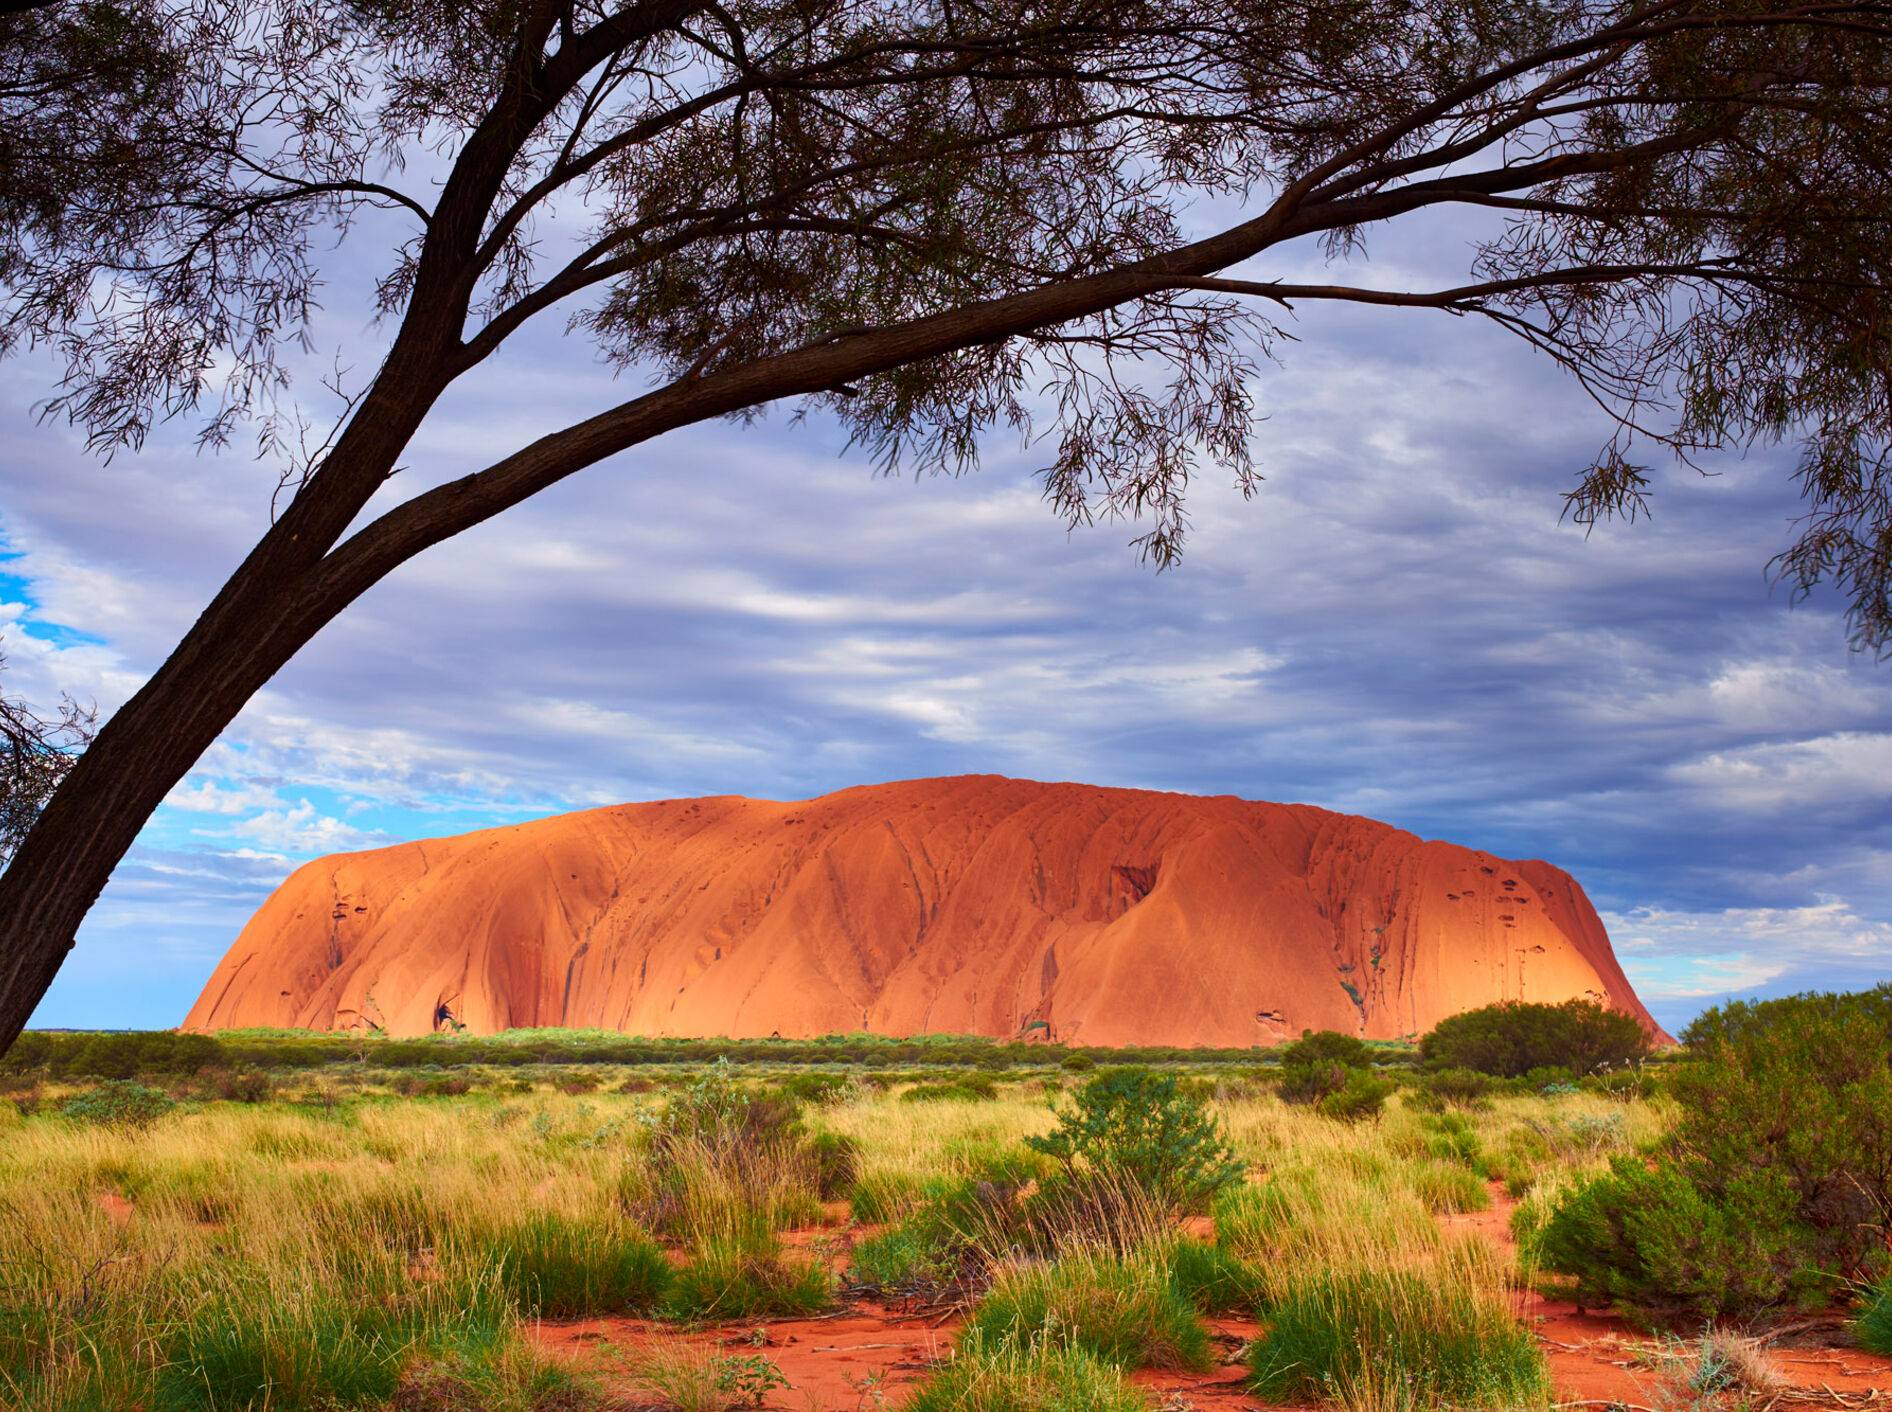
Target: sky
{"x":1397,"y":625}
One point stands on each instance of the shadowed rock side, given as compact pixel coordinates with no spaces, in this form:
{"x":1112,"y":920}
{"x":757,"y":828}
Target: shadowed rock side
{"x":968,"y":905}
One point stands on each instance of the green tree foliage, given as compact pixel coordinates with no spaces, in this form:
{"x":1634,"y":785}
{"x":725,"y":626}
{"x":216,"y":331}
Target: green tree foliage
{"x":1326,"y":1047}
{"x":1361,"y":1096}
{"x":1650,"y":1240}
{"x":118,"y":1103}
{"x":1135,"y":1125}
{"x":1514,"y":1037}
{"x":1775,"y":1185}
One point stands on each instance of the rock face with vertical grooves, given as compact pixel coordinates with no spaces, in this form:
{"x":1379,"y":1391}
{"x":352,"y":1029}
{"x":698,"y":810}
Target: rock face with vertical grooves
{"x":966,"y":905}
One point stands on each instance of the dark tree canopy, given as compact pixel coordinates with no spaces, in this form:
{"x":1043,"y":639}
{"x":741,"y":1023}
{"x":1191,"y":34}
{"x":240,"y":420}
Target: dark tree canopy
{"x":936,"y":220}
{"x":1514,"y":1037}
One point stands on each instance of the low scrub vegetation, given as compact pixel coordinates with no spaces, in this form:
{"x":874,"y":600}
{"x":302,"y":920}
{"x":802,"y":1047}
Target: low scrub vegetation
{"x":316,"y":1244}
{"x":1774,"y":1187}
{"x":1397,"y":1338}
{"x":1125,"y":1310}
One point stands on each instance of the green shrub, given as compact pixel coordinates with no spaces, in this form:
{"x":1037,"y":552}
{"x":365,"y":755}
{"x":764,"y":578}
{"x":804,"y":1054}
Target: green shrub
{"x":1874,"y":1326}
{"x":118,"y":1103}
{"x":1457,"y":1088}
{"x":558,"y":1267}
{"x":1395,"y":1338}
{"x":1514,"y":1037}
{"x":1077,"y":1063}
{"x":1048,"y":1377}
{"x":1775,"y":1184}
{"x":908,"y":1261}
{"x":1312,"y":1081}
{"x":816,"y":1088}
{"x":1132,"y":1126}
{"x":1650,"y":1239}
{"x":1362,"y":1096}
{"x":1326,"y":1047}
{"x":1823,"y":1063}
{"x":1125,"y":1311}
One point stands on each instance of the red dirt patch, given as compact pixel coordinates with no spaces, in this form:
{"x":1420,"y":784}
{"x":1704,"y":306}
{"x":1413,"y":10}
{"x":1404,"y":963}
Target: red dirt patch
{"x":837,"y":1362}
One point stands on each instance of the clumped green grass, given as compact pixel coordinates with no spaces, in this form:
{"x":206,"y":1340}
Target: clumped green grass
{"x":743,"y":1272}
{"x":560,"y":1266}
{"x":1396,"y":1339}
{"x":1124,"y":1310}
{"x":1208,"y":1275}
{"x":1013,"y":1377}
{"x":1875,"y":1320}
{"x":1448,"y":1188}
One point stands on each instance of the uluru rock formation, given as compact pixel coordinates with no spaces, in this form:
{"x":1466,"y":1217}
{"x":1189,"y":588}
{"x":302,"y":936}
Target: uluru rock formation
{"x":968,"y":905}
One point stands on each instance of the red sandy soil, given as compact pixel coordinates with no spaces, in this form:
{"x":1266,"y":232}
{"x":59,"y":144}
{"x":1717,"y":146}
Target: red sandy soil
{"x":968,"y":905}
{"x":864,"y":1356}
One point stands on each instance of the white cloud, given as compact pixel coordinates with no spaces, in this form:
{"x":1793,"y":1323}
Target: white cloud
{"x":303,"y":831}
{"x":1848,"y":767}
{"x":1675,"y":954}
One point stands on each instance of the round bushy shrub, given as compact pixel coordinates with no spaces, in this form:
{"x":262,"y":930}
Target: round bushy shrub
{"x":1650,"y":1239}
{"x":1775,"y":1185}
{"x":1514,"y":1037}
{"x":1135,"y":1126}
{"x":1312,"y":1081}
{"x":1326,"y":1047}
{"x":1362,"y":1096}
{"x":118,"y":1103}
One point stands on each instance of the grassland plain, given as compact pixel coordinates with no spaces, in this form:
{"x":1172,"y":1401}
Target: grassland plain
{"x":592,"y":1235}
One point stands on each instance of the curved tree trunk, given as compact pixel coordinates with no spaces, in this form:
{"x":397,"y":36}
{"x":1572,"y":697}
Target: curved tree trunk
{"x":260,"y":618}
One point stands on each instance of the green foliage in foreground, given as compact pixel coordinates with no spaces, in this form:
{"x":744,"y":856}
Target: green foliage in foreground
{"x":745,"y":1274}
{"x":1133,"y":1126}
{"x":1875,"y":1321}
{"x":1394,"y":1338}
{"x":1038,"y":1378}
{"x":1775,"y":1186}
{"x":1123,"y":1310}
{"x":1511,"y":1039}
{"x":1651,"y":1240}
{"x":559,"y":1267}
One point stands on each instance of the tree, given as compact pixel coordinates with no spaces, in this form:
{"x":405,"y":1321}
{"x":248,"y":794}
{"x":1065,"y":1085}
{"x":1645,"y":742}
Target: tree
{"x":934,"y":219}
{"x":36,"y":753}
{"x":1513,"y":1037}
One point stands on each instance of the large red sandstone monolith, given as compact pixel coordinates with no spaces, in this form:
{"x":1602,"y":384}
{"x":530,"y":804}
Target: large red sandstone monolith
{"x":969,"y":905}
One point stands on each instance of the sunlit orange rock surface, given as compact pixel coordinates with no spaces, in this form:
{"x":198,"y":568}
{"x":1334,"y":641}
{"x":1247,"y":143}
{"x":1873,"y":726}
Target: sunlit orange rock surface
{"x":968,"y":905}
